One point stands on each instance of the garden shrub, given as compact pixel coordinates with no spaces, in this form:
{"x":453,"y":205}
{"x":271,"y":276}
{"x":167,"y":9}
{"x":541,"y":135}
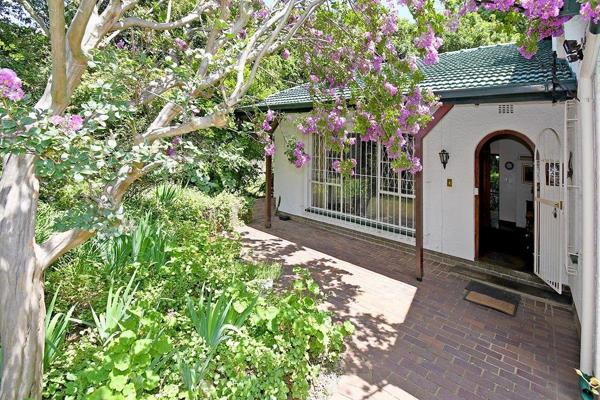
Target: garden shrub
{"x":217,"y":213}
{"x":275,"y":342}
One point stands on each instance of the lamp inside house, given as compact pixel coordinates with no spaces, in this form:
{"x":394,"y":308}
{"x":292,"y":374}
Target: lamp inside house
{"x":444,"y":157}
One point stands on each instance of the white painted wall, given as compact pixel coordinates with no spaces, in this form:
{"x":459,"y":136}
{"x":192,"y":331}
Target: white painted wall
{"x":289,"y":182}
{"x":449,"y":212}
{"x":587,"y":269}
{"x":514,"y":193}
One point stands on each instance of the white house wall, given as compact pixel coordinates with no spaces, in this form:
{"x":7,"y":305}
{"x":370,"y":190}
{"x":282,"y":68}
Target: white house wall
{"x":289,"y":182}
{"x":449,"y":212}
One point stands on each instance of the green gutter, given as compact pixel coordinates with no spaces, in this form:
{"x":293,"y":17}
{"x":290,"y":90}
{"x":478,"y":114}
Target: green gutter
{"x":516,"y":98}
{"x":503,"y":90}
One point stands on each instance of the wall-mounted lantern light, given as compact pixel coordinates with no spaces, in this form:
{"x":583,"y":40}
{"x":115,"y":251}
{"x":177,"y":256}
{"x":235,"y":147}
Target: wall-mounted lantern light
{"x":573,"y":50}
{"x":444,"y":157}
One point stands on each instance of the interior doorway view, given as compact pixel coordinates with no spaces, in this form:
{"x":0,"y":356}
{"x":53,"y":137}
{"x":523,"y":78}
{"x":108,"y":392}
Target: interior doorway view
{"x":505,"y":220}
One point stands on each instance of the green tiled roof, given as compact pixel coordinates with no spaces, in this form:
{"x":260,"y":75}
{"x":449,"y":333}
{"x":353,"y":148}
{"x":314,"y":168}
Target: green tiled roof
{"x":472,"y":74}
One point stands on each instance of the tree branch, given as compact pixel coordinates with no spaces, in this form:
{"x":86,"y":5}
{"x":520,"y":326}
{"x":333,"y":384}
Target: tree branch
{"x":56,"y":10}
{"x":132,"y":22}
{"x":218,"y":119}
{"x":169,"y":9}
{"x":35,"y":16}
{"x":58,"y":244}
{"x":278,"y":20}
{"x":211,"y":47}
{"x":157,"y":88}
{"x":77,"y":29}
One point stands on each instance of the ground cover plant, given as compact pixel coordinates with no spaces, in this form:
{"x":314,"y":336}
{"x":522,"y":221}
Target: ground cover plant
{"x":195,"y":321}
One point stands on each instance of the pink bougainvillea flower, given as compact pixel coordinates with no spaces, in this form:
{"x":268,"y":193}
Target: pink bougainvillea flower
{"x":526,"y":53}
{"x":262,"y":13}
{"x":9,"y":78}
{"x":337,"y":166}
{"x":10,"y":85}
{"x":302,"y":160}
{"x":500,"y":5}
{"x":75,"y":123}
{"x":15,"y":95}
{"x":390,"y":25}
{"x":412,"y":63}
{"x":298,"y":156}
{"x":377,"y":63}
{"x":417,"y":4}
{"x":391,"y":89}
{"x":543,"y":9}
{"x":270,"y":149}
{"x":182,"y":44}
{"x":57,"y":120}
{"x":416,"y":165}
{"x":430,"y":43}
{"x":590,"y":13}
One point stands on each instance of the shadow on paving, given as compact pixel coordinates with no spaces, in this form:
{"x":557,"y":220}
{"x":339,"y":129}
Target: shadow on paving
{"x":426,"y":343}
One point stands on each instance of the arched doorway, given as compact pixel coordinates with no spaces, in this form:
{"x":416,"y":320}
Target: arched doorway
{"x":504,"y":207}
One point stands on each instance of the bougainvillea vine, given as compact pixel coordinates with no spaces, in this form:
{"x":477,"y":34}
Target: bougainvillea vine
{"x":359,"y":42}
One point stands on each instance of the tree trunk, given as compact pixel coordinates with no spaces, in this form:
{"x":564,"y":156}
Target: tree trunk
{"x":22,"y":308}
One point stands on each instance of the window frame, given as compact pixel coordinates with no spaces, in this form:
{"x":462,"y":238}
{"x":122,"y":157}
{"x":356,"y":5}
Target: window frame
{"x":405,"y":225}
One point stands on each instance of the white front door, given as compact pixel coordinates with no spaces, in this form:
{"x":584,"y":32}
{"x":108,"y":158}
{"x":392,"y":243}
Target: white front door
{"x":549,"y":215}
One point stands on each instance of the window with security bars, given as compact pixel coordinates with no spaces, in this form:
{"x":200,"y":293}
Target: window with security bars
{"x":375,"y":197}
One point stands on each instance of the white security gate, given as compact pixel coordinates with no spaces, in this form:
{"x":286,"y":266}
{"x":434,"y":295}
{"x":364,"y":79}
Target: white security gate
{"x":549,"y":213}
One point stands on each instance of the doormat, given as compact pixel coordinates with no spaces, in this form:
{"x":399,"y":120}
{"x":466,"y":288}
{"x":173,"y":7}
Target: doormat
{"x":492,"y":297}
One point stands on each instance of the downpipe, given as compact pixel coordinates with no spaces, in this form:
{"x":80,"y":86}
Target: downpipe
{"x":590,"y":315}
{"x":594,"y":34}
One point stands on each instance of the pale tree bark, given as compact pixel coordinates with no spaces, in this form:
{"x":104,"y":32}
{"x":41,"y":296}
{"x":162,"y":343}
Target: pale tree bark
{"x":21,"y":290}
{"x":21,"y":276}
{"x":22,"y":261}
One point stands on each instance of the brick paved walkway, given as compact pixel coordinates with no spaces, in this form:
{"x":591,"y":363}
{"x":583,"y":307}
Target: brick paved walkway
{"x":422,"y":340}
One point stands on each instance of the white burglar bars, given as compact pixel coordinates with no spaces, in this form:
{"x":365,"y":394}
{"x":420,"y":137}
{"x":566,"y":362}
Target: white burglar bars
{"x":375,"y":199}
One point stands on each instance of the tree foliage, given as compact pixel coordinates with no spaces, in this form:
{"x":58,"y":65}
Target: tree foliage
{"x":24,"y":51}
{"x":479,"y":29}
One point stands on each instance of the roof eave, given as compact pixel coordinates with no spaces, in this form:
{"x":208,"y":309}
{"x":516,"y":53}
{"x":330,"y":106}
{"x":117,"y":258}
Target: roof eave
{"x":297,"y":107}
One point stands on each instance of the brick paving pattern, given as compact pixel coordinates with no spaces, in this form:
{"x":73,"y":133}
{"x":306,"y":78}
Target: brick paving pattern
{"x":431,"y":344}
